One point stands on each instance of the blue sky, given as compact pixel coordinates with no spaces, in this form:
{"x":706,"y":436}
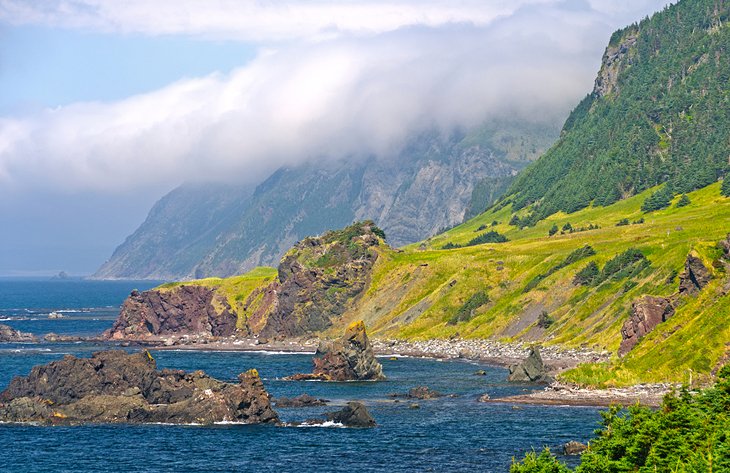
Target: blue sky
{"x":108,"y":105}
{"x":47,"y":67}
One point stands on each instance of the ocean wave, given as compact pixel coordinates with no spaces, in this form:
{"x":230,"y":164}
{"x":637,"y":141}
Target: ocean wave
{"x":326,"y":424}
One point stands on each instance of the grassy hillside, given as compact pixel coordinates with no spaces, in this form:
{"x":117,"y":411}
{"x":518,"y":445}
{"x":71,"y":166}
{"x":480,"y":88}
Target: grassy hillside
{"x":424,"y":292}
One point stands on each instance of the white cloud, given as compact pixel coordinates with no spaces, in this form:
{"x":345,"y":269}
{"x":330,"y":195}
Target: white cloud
{"x":252,"y":19}
{"x":348,"y":95}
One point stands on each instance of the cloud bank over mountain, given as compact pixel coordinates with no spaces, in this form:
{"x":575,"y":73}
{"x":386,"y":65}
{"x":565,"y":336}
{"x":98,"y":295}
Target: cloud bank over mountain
{"x":332,"y":79}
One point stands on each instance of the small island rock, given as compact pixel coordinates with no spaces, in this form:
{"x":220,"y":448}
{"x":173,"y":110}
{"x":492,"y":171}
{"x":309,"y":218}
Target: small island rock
{"x":117,"y":387}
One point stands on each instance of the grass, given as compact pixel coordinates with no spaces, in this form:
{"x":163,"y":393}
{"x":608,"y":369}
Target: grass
{"x":416,"y":293}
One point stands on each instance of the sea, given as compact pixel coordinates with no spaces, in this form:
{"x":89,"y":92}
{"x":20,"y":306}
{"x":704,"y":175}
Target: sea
{"x":451,"y":434}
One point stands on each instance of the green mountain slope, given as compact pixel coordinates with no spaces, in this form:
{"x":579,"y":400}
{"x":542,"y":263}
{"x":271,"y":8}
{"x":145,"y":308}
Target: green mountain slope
{"x":659,"y":112}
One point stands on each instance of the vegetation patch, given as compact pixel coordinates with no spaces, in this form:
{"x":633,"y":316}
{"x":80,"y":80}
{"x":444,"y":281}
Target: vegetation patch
{"x":466,"y":311}
{"x":574,"y":256}
{"x":621,"y":266}
{"x":690,"y":432}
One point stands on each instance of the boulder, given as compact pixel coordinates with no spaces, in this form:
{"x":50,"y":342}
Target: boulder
{"x":114,"y":386}
{"x":10,"y":335}
{"x":304,"y":400}
{"x":646,"y":313}
{"x":694,"y":277}
{"x":354,"y":414}
{"x":350,"y":358}
{"x":530,"y":370}
{"x":574,"y":448}
{"x":725,"y":246}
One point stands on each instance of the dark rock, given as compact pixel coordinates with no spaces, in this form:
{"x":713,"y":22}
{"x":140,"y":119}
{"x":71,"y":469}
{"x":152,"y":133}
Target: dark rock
{"x":349,"y":358}
{"x":646,"y":313}
{"x":574,"y":448}
{"x":354,"y":414}
{"x":305,"y":400}
{"x":530,"y":370}
{"x":10,"y":335}
{"x":181,"y":310}
{"x":420,"y":392}
{"x":114,"y":386}
{"x":694,"y":277}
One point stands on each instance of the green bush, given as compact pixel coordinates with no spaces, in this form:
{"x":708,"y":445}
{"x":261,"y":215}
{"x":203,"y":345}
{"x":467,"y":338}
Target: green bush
{"x":683,"y":201}
{"x":690,"y":432}
{"x":466,"y":311}
{"x":725,"y":187}
{"x":660,"y":199}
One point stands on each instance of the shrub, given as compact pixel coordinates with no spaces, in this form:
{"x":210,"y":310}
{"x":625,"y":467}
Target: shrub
{"x":725,"y":187}
{"x":622,"y":222}
{"x":683,"y":201}
{"x":488,"y":237}
{"x":587,"y":275}
{"x":466,"y":311}
{"x":660,"y":199}
{"x":553,"y":230}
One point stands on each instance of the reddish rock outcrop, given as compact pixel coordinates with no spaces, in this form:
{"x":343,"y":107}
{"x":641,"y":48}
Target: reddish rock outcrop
{"x":646,"y":313}
{"x":117,"y":387}
{"x":181,"y":310}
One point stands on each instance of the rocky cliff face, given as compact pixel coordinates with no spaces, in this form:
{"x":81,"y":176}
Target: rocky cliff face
{"x":318,"y":277}
{"x":646,"y":313}
{"x":200,"y":230}
{"x":181,"y":310}
{"x":114,"y":386}
{"x":316,"y":281}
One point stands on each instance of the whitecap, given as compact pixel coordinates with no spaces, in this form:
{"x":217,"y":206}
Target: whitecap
{"x":325,"y":424}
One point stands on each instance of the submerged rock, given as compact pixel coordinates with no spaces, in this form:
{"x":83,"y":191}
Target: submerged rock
{"x":114,"y":386}
{"x":304,"y":400}
{"x":10,"y":335}
{"x":420,"y":392}
{"x":646,"y":313}
{"x":350,"y":358}
{"x":530,"y":370}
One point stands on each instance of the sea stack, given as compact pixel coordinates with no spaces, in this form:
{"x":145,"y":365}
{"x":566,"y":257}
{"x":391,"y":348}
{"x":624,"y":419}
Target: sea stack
{"x":349,"y":358}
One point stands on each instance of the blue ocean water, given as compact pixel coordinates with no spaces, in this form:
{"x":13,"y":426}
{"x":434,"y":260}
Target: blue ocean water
{"x":445,"y":435}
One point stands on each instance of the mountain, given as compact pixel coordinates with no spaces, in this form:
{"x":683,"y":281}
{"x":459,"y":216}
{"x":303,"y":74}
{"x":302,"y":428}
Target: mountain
{"x":201,"y":230}
{"x":647,"y":283}
{"x":659,"y":113}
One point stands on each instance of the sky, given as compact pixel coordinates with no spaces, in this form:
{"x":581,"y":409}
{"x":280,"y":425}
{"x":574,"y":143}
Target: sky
{"x":108,"y":105}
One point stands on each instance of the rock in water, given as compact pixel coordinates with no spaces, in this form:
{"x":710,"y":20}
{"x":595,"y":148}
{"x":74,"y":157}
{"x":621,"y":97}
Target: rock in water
{"x":10,"y":335}
{"x":574,"y":448}
{"x":114,"y":386}
{"x":530,"y":370}
{"x":646,"y":313}
{"x":304,"y":400}
{"x":354,"y":414}
{"x":694,"y":277}
{"x":349,"y":358}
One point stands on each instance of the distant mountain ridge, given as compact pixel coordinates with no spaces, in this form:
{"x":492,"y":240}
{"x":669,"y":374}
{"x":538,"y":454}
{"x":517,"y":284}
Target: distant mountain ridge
{"x":200,"y":230}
